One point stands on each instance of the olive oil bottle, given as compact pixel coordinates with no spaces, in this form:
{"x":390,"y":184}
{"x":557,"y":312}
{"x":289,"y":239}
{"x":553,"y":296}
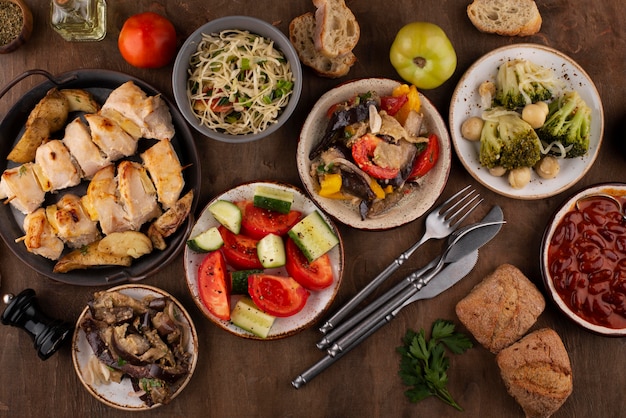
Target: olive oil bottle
{"x":79,"y":20}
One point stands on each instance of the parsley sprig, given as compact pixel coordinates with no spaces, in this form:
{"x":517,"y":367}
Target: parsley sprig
{"x":424,"y":363}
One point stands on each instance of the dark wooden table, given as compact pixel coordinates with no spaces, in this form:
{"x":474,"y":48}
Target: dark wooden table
{"x":240,"y":378}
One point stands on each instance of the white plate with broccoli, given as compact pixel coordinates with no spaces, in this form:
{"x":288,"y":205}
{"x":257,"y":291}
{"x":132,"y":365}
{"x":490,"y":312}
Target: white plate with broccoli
{"x":567,"y":80}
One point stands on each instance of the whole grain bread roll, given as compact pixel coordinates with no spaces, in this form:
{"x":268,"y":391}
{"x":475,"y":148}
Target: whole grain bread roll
{"x":505,"y":17}
{"x":301,"y":34}
{"x":500,"y":309}
{"x":537,"y":372}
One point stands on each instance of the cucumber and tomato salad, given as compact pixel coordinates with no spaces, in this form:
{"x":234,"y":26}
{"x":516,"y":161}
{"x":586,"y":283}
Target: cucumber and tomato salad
{"x":239,"y":258}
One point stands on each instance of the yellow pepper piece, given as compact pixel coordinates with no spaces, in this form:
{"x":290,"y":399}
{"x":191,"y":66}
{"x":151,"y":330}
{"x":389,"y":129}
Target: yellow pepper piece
{"x":388,"y":189}
{"x":330,"y":185}
{"x":413,"y":102}
{"x":378,"y":191}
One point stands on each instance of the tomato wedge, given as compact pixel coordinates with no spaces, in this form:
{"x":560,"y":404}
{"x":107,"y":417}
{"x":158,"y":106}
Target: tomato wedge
{"x":258,"y":222}
{"x":392,"y":104}
{"x":277,"y":295}
{"x":316,"y":275}
{"x":426,"y":159}
{"x":240,"y":250}
{"x":213,"y":287}
{"x":363,"y":152}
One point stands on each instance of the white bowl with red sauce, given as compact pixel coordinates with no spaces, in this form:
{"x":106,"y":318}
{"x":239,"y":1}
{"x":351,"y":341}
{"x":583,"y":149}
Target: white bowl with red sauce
{"x":583,"y":259}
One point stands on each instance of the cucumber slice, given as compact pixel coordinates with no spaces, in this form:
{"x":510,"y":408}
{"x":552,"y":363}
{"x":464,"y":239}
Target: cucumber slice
{"x":271,"y":251}
{"x":273,"y":199}
{"x":227,"y":214}
{"x":239,"y":281}
{"x":313,"y":236}
{"x":209,"y":240}
{"x":247,"y":316}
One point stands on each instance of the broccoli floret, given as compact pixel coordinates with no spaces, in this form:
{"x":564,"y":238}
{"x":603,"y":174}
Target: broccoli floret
{"x":520,"y":82}
{"x":510,"y":142}
{"x":568,"y":122}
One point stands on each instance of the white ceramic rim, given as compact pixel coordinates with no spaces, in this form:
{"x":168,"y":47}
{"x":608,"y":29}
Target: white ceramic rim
{"x":410,"y":207}
{"x":114,"y":394}
{"x":466,"y":102}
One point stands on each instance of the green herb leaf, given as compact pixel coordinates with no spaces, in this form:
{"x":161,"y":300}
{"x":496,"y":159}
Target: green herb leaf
{"x":423,"y":363}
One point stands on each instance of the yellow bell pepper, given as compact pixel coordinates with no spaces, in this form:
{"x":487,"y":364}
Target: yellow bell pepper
{"x":330,"y":186}
{"x":413,"y":102}
{"x":378,"y":191}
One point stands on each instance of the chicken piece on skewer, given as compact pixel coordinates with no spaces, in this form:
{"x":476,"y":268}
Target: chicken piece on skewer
{"x":110,"y":137}
{"x":169,"y":222}
{"x":150,"y":113}
{"x":21,"y":188}
{"x":78,"y":140}
{"x":40,"y":238}
{"x":71,"y":223}
{"x":102,"y":202}
{"x":58,"y":168}
{"x":137,"y":194}
{"x":165,"y":171}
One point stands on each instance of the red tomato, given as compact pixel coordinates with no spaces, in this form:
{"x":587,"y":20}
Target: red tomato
{"x":426,"y":159}
{"x":213,"y":287}
{"x":363,"y":150}
{"x":276,"y":295}
{"x":258,"y":222}
{"x":147,"y":40}
{"x":391,"y":104}
{"x":316,"y":275}
{"x":240,"y":250}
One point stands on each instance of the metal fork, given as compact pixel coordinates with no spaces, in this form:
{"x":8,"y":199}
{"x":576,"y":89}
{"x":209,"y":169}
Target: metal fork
{"x":440,"y":223}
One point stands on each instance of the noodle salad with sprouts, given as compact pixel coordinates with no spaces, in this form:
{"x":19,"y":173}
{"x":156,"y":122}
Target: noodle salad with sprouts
{"x":238,"y":82}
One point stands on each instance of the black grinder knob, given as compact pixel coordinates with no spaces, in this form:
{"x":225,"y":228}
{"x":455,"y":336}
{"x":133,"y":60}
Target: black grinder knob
{"x":23,"y":312}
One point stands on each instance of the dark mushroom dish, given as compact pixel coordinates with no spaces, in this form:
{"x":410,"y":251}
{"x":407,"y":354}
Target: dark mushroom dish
{"x":374,"y":151}
{"x":141,"y":340}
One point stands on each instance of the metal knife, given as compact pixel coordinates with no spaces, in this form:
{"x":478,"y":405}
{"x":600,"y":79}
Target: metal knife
{"x":447,"y":278}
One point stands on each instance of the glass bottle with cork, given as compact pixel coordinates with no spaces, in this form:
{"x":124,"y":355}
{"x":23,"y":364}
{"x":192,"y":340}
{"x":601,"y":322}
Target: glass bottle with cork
{"x":79,"y":20}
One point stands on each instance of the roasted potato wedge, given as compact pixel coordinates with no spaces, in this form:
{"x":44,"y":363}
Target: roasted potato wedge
{"x":34,"y":135}
{"x":49,"y":115}
{"x":166,"y":224}
{"x":80,"y":100}
{"x":87,"y":257}
{"x":128,"y":243}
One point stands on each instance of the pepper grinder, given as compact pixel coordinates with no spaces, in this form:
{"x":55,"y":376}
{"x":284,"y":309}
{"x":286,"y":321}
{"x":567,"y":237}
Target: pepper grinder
{"x":23,"y":312}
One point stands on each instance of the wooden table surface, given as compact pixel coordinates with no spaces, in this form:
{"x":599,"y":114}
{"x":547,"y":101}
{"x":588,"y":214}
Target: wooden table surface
{"x":241,"y":378}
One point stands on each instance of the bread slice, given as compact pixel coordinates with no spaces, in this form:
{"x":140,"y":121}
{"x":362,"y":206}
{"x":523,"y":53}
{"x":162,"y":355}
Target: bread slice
{"x":537,"y":372}
{"x":505,"y":17}
{"x":336,"y":29}
{"x":500,"y":309}
{"x":301,"y":33}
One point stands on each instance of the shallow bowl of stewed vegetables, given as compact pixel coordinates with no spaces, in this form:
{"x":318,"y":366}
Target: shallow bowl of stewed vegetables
{"x":263,"y":262}
{"x":374,"y":153}
{"x":583,"y":259}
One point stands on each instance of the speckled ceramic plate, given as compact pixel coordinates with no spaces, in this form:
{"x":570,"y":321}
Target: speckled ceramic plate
{"x":318,"y":301}
{"x":466,"y":102}
{"x":121,"y":395}
{"x":409,"y":207}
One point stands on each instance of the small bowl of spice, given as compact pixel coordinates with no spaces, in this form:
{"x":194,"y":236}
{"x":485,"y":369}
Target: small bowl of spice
{"x":17,"y":25}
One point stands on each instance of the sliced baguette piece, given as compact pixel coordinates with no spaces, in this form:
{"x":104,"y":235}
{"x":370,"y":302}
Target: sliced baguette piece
{"x":301,"y":33}
{"x":336,"y":29}
{"x":505,"y":17}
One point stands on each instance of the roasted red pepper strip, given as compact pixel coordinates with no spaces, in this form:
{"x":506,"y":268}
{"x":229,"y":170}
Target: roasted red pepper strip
{"x":363,"y":150}
{"x":391,"y":104}
{"x":426,"y":159}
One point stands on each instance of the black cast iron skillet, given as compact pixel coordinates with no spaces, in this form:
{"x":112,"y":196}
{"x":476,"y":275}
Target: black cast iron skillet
{"x":100,"y":83}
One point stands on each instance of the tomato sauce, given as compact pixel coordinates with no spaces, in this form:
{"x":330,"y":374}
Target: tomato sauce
{"x":587,"y":261}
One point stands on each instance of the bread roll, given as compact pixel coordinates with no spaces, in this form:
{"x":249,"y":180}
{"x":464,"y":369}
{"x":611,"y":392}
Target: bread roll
{"x":505,"y":17}
{"x":301,"y":34}
{"x":537,"y":372}
{"x":500,"y":309}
